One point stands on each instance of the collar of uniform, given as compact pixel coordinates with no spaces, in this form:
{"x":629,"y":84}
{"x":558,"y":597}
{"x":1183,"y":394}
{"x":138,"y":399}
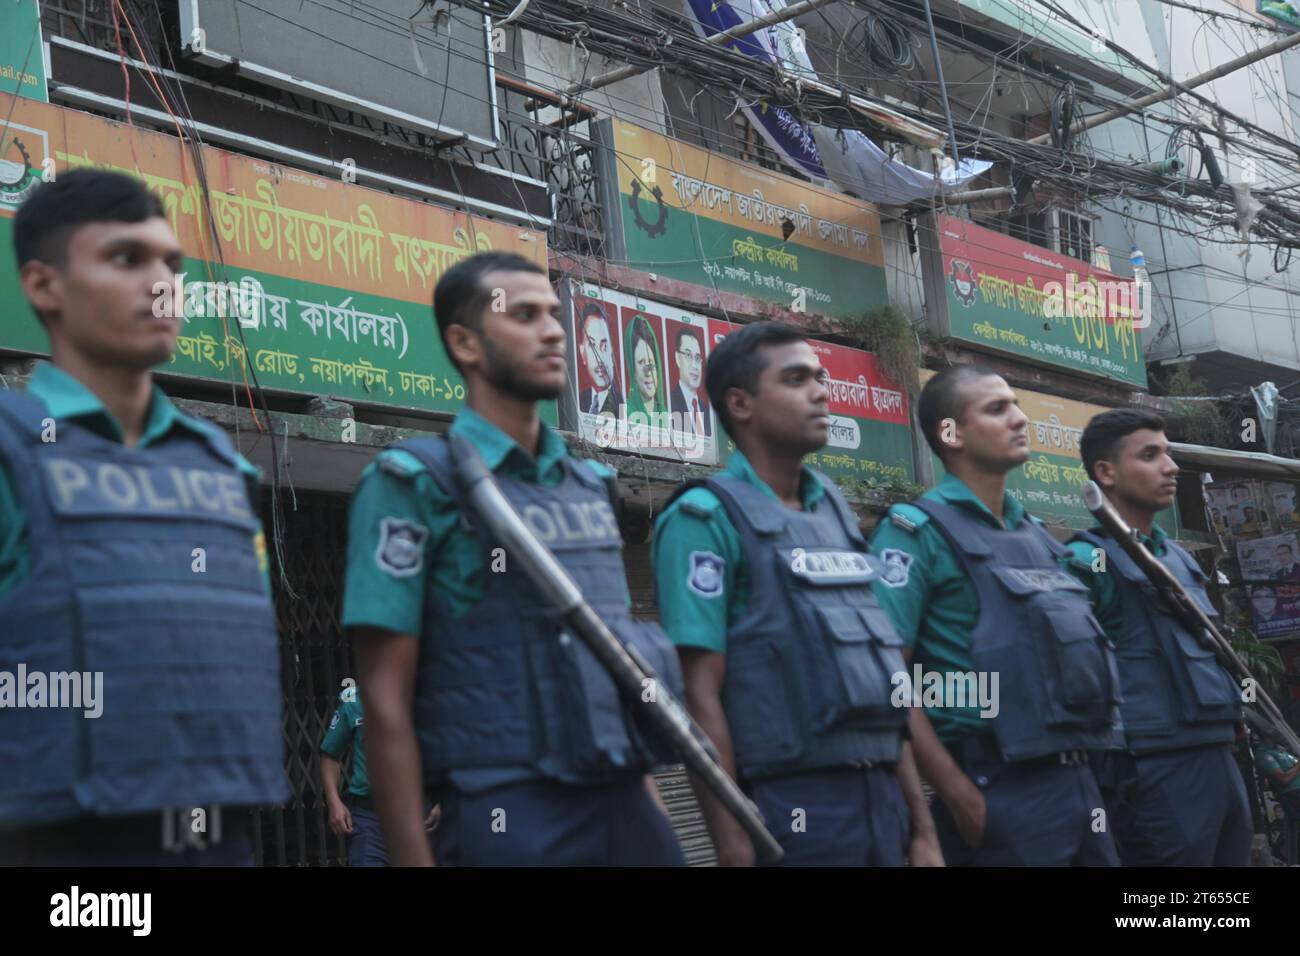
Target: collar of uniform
{"x":955,"y":491}
{"x":502,"y":453}
{"x":810,"y":489}
{"x":66,"y":397}
{"x":1155,"y":543}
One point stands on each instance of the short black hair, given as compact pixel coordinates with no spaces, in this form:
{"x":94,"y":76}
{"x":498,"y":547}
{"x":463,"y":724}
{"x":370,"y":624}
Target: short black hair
{"x":1287,"y":546}
{"x":941,"y":399}
{"x":460,"y":295}
{"x":684,"y":331}
{"x":58,"y":208}
{"x":1104,"y":435}
{"x":735,"y":362}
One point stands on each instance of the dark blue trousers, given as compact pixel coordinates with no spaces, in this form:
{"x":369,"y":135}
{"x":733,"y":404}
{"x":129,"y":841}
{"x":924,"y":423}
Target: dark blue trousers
{"x":1180,"y":808}
{"x":840,"y":817}
{"x":1035,"y":816}
{"x":366,"y":845}
{"x":544,"y":823}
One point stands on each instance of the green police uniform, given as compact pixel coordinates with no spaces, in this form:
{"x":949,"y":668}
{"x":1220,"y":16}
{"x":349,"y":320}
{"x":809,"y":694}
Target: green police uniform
{"x":927,"y":594}
{"x":1272,"y":759}
{"x":398,"y":495}
{"x":697,"y":612}
{"x":1039,"y":810}
{"x":396,"y":490}
{"x":345,"y":730}
{"x":1103,"y":592}
{"x":705,"y":576}
{"x":67,"y":400}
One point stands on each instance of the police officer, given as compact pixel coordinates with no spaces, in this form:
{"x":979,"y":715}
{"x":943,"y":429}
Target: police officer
{"x":1014,"y":674}
{"x":521,"y":734}
{"x":763,"y":580}
{"x":132,"y":566}
{"x":1174,"y":789}
{"x":1282,"y":771}
{"x":356,"y":818}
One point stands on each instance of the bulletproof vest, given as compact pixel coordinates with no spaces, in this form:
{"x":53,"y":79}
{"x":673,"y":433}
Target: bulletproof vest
{"x":1058,"y":686}
{"x":506,"y":684}
{"x":185,"y":640}
{"x":1176,"y":694}
{"x":811,"y":662}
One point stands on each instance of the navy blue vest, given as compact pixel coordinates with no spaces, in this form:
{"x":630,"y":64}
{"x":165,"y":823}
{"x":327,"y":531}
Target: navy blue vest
{"x":811,"y":662}
{"x":504,"y":684}
{"x":1058,"y":686}
{"x":191,"y":698}
{"x":1176,"y":694}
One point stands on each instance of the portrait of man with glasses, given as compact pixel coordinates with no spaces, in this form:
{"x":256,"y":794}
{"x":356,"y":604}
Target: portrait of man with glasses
{"x":689,"y":404}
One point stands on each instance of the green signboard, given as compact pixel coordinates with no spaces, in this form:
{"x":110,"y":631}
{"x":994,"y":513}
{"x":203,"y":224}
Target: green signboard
{"x":326,"y":286}
{"x":22,"y":57}
{"x":677,"y":211}
{"x":1003,"y":295}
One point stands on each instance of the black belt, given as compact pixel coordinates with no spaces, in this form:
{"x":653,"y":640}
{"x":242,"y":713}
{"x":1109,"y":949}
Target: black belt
{"x":985,"y":747}
{"x":121,"y":833}
{"x":362,"y":803}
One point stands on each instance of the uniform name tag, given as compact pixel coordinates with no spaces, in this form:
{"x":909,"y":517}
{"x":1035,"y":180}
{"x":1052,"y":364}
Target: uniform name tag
{"x":1042,"y":579}
{"x":89,"y":487}
{"x":831,"y":566}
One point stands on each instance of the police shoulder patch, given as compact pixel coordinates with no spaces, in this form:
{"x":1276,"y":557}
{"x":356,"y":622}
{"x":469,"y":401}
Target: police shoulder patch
{"x":400,"y":552}
{"x":705,"y":575}
{"x":896,"y":567}
{"x":907,"y":518}
{"x":334,"y":721}
{"x":397,"y":462}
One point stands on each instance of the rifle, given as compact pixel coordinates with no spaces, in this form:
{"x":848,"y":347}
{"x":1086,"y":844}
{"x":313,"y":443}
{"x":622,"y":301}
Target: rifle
{"x":1185,"y":607}
{"x":628,"y":669}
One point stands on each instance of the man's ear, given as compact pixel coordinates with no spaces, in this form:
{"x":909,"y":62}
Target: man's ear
{"x":464,"y":346}
{"x":1105,"y":471}
{"x":740,"y":405}
{"x":41,"y":284}
{"x":950,"y":434}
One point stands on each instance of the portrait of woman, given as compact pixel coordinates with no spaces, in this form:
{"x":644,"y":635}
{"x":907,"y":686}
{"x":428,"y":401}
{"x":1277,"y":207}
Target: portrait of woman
{"x":645,"y":375}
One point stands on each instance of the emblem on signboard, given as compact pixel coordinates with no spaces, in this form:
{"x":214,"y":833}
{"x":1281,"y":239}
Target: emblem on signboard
{"x":657,"y":227}
{"x":17,"y":178}
{"x":962,"y":277}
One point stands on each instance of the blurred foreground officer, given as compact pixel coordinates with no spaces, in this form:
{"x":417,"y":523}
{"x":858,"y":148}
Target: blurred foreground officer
{"x":1015,"y":675}
{"x":764,"y":585}
{"x":132,"y":567}
{"x":522,"y":735}
{"x":1174,"y":791}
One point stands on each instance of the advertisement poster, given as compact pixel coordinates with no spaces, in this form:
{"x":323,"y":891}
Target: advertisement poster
{"x":1269,"y":559}
{"x":1282,"y":497}
{"x":1010,"y":296}
{"x":637,"y":373}
{"x":1275,"y":608}
{"x":1239,"y":509}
